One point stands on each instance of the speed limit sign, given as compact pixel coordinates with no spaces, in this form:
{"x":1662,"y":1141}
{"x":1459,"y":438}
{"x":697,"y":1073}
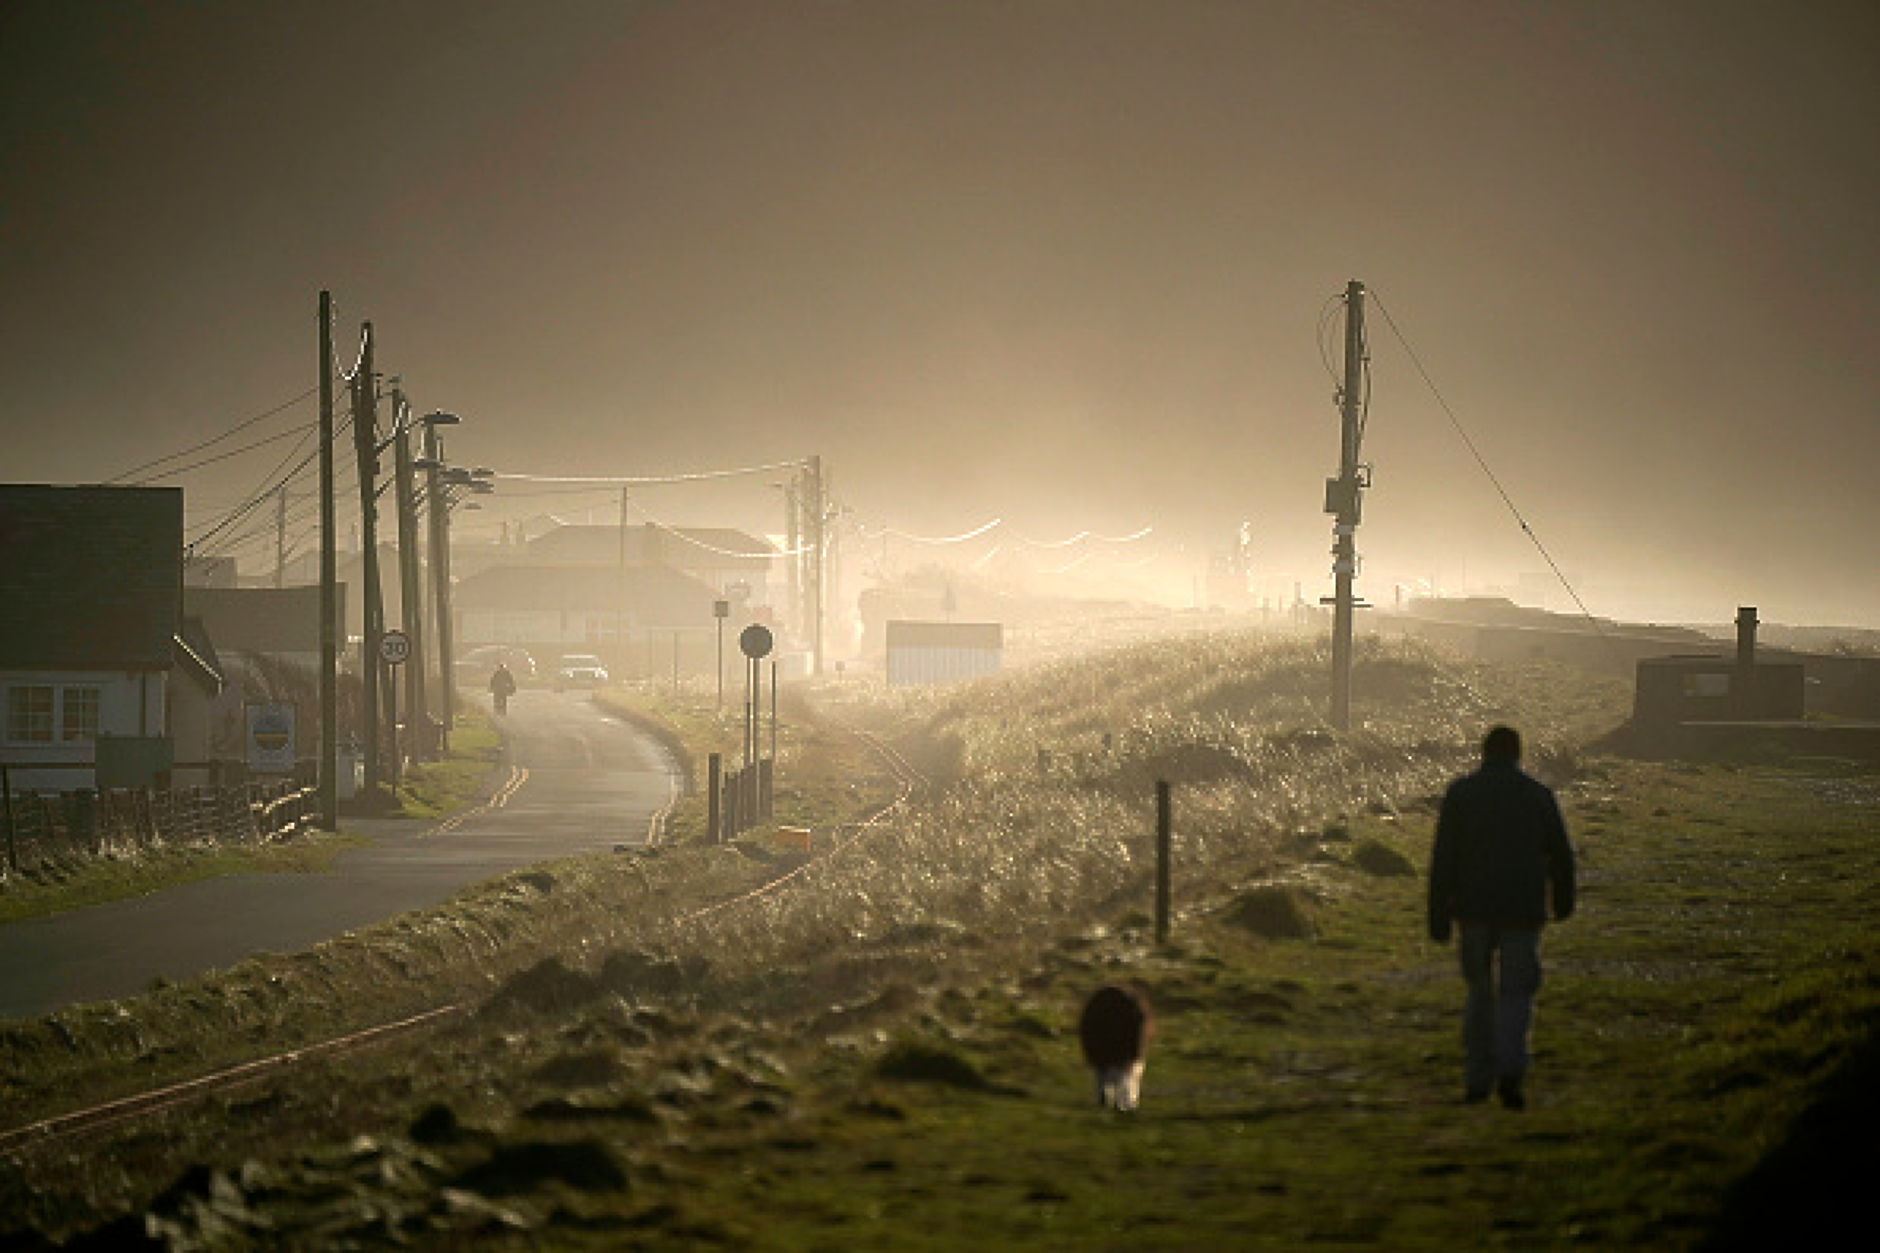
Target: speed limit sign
{"x":394,"y":647}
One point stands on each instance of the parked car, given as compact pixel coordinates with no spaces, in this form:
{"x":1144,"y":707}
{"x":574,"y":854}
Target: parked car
{"x":475,"y":667}
{"x":580,"y":670}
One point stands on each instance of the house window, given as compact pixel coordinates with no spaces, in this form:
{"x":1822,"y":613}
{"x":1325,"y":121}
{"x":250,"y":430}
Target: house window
{"x":29,"y":714}
{"x":78,"y":713}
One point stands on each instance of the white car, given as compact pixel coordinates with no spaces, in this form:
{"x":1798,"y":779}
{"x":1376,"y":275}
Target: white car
{"x":579,"y":670}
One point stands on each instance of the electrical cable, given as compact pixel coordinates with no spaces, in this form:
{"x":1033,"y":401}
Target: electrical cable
{"x":631,"y":480}
{"x":233,"y":452}
{"x":897,"y":533}
{"x":244,"y":509}
{"x":1081,"y":536}
{"x":237,"y":429}
{"x":1482,"y":461}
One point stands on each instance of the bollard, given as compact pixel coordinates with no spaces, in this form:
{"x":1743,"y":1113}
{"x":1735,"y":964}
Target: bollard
{"x":1162,"y":823}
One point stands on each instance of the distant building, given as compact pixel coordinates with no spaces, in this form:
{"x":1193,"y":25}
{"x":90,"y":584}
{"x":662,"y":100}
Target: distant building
{"x":1712,"y":688}
{"x":921,"y":653}
{"x":732,"y":563}
{"x":635,"y":618}
{"x":278,"y":623}
{"x":209,"y":572}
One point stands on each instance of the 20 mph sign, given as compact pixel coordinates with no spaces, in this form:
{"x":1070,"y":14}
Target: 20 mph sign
{"x":394,"y":647}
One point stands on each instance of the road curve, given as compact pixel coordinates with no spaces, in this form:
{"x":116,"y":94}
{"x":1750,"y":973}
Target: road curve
{"x":574,"y":779}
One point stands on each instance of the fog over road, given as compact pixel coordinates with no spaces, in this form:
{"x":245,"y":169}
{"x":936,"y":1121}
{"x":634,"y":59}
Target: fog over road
{"x":588,"y":781}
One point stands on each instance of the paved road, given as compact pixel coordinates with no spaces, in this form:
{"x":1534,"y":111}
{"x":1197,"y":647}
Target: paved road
{"x":587,"y":781}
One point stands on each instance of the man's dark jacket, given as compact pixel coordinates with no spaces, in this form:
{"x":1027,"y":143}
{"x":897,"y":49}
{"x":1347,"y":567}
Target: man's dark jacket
{"x":1500,"y":843}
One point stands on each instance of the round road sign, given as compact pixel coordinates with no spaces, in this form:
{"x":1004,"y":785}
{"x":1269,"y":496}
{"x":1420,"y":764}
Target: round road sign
{"x":755,"y":641}
{"x":394,"y":647}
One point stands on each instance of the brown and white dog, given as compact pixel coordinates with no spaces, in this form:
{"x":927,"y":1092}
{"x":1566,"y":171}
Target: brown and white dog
{"x":1114,"y":1029}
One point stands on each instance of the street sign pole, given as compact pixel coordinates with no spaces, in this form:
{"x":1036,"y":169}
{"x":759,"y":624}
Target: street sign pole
{"x":720,"y":610}
{"x":394,"y":651}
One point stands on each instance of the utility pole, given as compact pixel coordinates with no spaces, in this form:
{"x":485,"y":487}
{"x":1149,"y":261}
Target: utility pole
{"x":813,"y":520}
{"x":620,"y":591}
{"x":1344,"y":500}
{"x":365,"y":439}
{"x":439,"y":505}
{"x":410,"y":594}
{"x":329,"y":580}
{"x":793,"y":561}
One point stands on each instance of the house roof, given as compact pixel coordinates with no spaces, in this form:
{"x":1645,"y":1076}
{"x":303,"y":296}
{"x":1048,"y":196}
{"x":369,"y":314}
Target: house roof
{"x":262,"y":619}
{"x":93,"y":577}
{"x":903,"y":634}
{"x":687,"y":547}
{"x":654,"y":595}
{"x":195,"y":656}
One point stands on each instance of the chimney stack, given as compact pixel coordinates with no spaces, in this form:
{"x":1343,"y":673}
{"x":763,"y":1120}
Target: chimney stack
{"x":1746,"y":639}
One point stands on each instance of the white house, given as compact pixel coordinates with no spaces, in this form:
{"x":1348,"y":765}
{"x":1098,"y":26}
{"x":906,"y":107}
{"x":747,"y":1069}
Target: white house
{"x":89,"y":629}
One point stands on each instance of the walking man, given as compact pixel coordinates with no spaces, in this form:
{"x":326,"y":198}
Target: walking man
{"x":1501,"y":851}
{"x":502,"y":687}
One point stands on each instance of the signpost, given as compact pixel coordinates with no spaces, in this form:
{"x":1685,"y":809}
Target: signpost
{"x":394,"y":647}
{"x":394,"y":650}
{"x":721,"y":609}
{"x":755,"y":641}
{"x":271,"y":737}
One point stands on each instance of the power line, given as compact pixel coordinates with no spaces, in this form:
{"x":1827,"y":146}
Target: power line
{"x":897,"y":533}
{"x":224,"y":456}
{"x":237,"y":429}
{"x":1482,"y":461}
{"x":631,"y":480}
{"x":239,"y":512}
{"x":1083,"y":536}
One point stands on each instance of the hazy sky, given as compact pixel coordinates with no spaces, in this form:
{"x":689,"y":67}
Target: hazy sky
{"x":1059,"y":262}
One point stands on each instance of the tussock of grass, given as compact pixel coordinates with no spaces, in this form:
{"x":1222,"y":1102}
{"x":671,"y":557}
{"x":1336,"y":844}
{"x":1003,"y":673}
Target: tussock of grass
{"x":1272,"y":911}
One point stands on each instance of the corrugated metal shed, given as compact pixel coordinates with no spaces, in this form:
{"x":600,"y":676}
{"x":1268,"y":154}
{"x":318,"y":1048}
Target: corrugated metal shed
{"x":943,"y":652}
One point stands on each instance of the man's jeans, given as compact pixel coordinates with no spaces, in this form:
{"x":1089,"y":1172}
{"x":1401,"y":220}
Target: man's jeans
{"x":1501,"y":1000}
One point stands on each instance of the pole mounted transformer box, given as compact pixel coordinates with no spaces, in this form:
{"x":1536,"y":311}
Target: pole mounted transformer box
{"x":923,"y":653}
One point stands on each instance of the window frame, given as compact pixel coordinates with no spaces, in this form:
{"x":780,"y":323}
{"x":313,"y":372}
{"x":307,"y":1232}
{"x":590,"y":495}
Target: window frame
{"x":65,"y":731}
{"x":18,"y":725}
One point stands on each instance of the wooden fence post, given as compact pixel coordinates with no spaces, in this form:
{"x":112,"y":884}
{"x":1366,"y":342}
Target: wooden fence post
{"x":6,"y":789}
{"x":714,"y":791}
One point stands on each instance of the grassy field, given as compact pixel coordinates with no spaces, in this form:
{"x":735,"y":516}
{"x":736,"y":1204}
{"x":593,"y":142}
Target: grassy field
{"x":882,"y":1057}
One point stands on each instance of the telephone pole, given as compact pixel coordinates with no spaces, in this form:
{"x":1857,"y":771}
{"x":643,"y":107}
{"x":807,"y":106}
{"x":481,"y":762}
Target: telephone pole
{"x":619,"y":660}
{"x":329,"y":592}
{"x":365,"y":439}
{"x":814,"y":516}
{"x":410,"y":595}
{"x":793,"y":562}
{"x":438,"y":504}
{"x":1344,"y":500}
